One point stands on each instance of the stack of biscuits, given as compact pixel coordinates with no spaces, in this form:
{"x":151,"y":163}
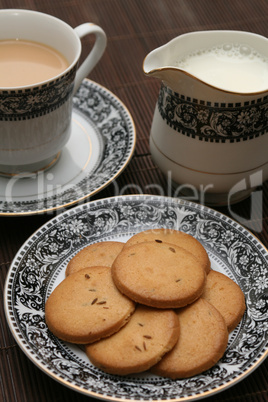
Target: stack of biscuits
{"x":152,"y":303}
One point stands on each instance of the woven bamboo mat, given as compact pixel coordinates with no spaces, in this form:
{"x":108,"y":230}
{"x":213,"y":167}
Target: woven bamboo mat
{"x":133,"y":28}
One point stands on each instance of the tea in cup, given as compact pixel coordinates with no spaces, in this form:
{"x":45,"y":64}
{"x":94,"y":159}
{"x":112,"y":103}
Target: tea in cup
{"x":39,"y":56}
{"x":209,"y":130}
{"x":24,"y":62}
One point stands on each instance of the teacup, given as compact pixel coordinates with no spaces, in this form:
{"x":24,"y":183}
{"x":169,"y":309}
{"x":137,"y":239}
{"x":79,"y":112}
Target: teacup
{"x":209,"y":130}
{"x":35,"y":118}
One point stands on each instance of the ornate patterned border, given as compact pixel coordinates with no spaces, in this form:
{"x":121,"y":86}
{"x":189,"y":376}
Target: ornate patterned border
{"x":213,"y":122}
{"x":37,"y":101}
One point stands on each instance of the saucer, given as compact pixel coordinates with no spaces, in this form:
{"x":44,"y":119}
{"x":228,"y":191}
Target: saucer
{"x":101,"y":144}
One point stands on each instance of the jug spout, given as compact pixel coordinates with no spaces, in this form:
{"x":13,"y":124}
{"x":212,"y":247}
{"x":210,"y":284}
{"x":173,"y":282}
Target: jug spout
{"x":158,"y":64}
{"x":154,"y":66}
{"x":226,"y":61}
{"x":161,"y":63}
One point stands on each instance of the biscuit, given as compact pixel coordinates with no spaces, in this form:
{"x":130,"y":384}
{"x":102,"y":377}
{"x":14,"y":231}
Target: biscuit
{"x":224,"y":294}
{"x":97,"y":254}
{"x":158,"y":274}
{"x":202,"y":342}
{"x":177,"y":237}
{"x":86,"y":306}
{"x":149,"y":334}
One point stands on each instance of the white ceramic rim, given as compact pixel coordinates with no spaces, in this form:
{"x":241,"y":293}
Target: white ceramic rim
{"x":194,"y":34}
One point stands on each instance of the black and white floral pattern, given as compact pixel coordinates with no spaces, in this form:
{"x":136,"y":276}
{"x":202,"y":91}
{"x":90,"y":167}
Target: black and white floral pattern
{"x":112,"y":121}
{"x":36,"y":101}
{"x":214,"y":122}
{"x":41,"y":263}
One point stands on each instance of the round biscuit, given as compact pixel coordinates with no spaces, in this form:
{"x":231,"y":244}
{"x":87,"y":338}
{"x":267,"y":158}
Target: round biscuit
{"x":96,"y":254}
{"x":159,"y":275}
{"x":224,"y":294}
{"x":202,"y":342}
{"x":176,"y":237}
{"x":149,"y":334}
{"x":86,"y":306}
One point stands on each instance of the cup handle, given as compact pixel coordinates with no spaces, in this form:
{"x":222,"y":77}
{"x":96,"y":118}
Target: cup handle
{"x":96,"y":53}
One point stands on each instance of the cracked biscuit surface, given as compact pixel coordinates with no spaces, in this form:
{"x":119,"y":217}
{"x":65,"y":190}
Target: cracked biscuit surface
{"x":159,"y":274}
{"x":176,"y":237}
{"x":224,"y":294}
{"x":202,"y":342}
{"x":96,"y":254}
{"x":87,"y":306}
{"x":141,"y":343}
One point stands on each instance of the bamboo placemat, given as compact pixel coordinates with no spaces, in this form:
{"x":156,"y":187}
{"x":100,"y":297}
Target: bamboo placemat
{"x":133,"y":28}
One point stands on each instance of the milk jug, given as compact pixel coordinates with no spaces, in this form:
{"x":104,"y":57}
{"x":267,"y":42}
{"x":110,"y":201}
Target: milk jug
{"x":209,"y":129}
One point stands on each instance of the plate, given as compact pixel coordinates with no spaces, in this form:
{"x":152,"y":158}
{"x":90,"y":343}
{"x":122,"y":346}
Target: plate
{"x":101,"y":145}
{"x":40,"y":264}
